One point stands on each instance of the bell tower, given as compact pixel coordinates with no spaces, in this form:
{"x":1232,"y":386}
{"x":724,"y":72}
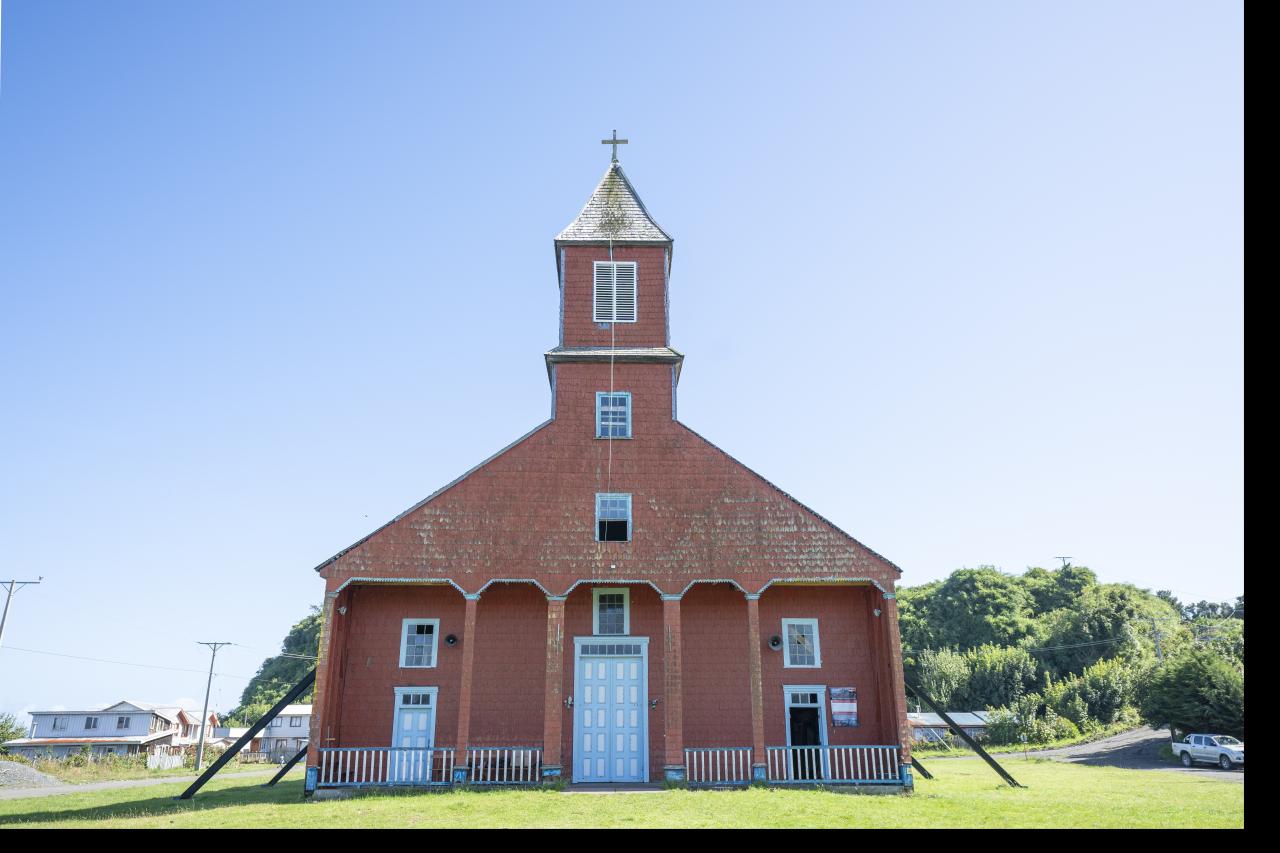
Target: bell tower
{"x":614,"y":263}
{"x":614,"y":267}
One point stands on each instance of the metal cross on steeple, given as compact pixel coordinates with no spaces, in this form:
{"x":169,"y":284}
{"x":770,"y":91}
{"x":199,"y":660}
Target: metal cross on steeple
{"x":615,"y":142}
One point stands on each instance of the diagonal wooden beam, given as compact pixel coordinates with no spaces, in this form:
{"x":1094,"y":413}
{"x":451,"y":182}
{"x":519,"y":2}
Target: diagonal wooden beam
{"x":296,"y":691}
{"x":963,"y":735}
{"x":288,"y":766}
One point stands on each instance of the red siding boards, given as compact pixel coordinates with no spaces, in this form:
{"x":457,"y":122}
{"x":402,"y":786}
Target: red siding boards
{"x":650,"y":327}
{"x":510,"y":667}
{"x":716,"y":675}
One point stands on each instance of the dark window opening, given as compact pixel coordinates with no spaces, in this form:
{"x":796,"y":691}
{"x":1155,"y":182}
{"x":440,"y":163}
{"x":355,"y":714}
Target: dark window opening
{"x":613,"y":531}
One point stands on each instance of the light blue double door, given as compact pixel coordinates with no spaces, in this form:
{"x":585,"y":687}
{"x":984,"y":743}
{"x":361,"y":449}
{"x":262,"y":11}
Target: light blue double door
{"x":610,"y":719}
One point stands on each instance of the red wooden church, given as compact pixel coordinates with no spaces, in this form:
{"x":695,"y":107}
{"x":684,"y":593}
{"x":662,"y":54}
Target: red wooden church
{"x":611,"y":598}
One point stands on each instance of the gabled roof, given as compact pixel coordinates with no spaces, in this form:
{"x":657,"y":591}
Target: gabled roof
{"x":614,"y":212}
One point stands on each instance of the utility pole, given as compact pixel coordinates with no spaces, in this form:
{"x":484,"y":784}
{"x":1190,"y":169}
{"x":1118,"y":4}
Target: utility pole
{"x":204,"y":714}
{"x":1155,"y":632}
{"x":14,"y":586}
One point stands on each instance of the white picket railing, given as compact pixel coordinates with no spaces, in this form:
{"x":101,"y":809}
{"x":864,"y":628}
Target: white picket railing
{"x":164,"y":760}
{"x":505,"y":765}
{"x":852,"y":764}
{"x":358,"y":767}
{"x":718,"y":765}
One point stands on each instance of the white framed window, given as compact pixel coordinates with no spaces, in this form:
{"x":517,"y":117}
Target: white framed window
{"x":123,"y":722}
{"x":274,"y":724}
{"x":801,"y":648}
{"x":90,"y":723}
{"x":611,"y":611}
{"x":614,"y":293}
{"x":60,"y":724}
{"x":419,"y":639}
{"x":295,"y":722}
{"x":613,"y":414}
{"x":416,"y":697}
{"x":613,"y":517}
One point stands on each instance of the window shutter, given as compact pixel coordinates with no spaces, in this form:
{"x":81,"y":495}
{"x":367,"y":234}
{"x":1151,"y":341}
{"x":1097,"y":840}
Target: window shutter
{"x":614,"y":293}
{"x":604,"y":293}
{"x":624,"y":293}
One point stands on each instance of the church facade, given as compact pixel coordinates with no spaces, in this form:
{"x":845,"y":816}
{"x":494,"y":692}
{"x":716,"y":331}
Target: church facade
{"x":611,"y":598}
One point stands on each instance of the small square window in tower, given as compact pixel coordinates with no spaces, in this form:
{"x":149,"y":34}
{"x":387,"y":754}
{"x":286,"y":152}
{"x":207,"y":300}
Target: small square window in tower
{"x":614,"y":299}
{"x":613,"y":517}
{"x":613,"y":414}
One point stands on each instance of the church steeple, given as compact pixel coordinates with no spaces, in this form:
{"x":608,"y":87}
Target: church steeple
{"x":614,"y":265}
{"x":614,"y":212}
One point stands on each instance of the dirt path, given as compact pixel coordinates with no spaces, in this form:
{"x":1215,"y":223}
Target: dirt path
{"x":55,"y":790}
{"x":1136,"y":749}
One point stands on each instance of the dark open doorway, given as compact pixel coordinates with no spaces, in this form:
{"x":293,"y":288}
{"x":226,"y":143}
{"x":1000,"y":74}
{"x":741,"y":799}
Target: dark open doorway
{"x":806,"y":731}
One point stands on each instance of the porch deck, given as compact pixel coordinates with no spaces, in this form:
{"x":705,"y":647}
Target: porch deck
{"x":707,"y":767}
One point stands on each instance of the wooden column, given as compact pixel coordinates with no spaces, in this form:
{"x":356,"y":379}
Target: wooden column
{"x":326,"y":707}
{"x":889,"y":616}
{"x":553,"y":694}
{"x":756,"y":674}
{"x":672,"y":690}
{"x":460,"y":759}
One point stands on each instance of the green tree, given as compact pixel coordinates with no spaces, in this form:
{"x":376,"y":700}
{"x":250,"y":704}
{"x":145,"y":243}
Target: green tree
{"x":1224,"y":636}
{"x":1196,"y":691}
{"x":10,"y":729}
{"x":279,"y":673}
{"x":1056,"y":588}
{"x":915,"y":622}
{"x":998,"y":675}
{"x":1105,"y":621}
{"x":942,"y":675}
{"x":974,"y":607}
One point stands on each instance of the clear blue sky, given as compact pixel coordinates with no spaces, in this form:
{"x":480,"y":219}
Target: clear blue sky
{"x":965,"y":277}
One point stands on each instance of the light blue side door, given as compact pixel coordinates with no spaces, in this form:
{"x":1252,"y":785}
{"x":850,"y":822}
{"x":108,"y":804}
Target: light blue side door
{"x":410,"y":758}
{"x":610,"y":723}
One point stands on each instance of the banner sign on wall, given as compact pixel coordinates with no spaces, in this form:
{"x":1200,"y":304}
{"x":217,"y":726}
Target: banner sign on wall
{"x":844,"y":706}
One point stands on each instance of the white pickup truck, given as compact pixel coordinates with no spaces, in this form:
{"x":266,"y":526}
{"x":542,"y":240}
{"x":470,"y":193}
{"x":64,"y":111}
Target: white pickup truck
{"x":1222,"y":750}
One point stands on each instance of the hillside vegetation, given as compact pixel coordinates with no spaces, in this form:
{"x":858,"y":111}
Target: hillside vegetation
{"x":1055,"y":654}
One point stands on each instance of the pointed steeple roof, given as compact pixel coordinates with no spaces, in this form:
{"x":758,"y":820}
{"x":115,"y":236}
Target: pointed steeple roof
{"x":614,"y":212}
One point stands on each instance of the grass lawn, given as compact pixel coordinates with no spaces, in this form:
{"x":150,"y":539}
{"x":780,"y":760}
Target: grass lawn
{"x":965,"y":794}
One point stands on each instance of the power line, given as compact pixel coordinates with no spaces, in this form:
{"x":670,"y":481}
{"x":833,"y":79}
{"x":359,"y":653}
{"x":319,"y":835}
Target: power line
{"x":275,"y":654}
{"x":123,"y":662}
{"x":1048,"y":648}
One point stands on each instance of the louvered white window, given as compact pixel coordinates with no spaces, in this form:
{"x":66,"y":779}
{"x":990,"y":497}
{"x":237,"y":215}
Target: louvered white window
{"x":615,"y":292}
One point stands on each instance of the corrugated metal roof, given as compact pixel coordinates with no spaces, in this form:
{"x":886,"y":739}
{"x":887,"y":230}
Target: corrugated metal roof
{"x":961,"y":718}
{"x":614,"y":212}
{"x":64,"y":741}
